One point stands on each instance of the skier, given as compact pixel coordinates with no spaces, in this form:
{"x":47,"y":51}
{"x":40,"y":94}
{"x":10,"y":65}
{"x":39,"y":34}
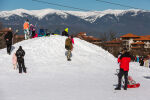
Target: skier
{"x":20,"y":59}
{"x":14,"y":60}
{"x":124,"y":68}
{"x":8,"y":38}
{"x":69,"y":47}
{"x":65,"y":32}
{"x":26,"y":29}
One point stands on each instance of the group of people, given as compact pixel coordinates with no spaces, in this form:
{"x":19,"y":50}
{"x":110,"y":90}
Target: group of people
{"x":124,"y":59}
{"x":145,"y":61}
{"x":29,"y":31}
{"x":142,"y":60}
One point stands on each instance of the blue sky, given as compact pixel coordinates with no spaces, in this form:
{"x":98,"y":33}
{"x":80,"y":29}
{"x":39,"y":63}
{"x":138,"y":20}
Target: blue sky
{"x":84,"y":4}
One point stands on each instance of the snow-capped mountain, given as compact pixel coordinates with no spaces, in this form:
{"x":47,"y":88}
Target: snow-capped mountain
{"x":121,"y":21}
{"x":90,"y":16}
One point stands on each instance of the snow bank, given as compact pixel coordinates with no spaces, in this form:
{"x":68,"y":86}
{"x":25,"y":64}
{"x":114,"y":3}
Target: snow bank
{"x":89,"y":76}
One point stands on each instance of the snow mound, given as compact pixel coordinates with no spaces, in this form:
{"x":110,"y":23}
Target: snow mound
{"x":89,"y":76}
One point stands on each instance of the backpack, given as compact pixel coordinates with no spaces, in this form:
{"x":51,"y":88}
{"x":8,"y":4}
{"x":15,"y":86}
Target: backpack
{"x":20,"y":53}
{"x":67,"y":44}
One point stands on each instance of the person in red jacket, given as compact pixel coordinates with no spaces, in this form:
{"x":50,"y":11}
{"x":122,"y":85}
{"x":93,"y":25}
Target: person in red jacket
{"x":124,"y":61}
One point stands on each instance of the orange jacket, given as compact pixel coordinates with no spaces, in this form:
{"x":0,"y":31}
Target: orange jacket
{"x":26,"y":25}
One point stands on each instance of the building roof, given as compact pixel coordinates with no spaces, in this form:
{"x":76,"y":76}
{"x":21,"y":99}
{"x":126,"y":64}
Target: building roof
{"x":87,"y":38}
{"x":112,"y":45}
{"x":19,"y":36}
{"x":147,"y":36}
{"x":142,"y":38}
{"x":4,"y":30}
{"x":114,"y":41}
{"x":135,"y":47}
{"x":90,"y":38}
{"x":138,"y":43}
{"x":130,"y":35}
{"x":81,"y":34}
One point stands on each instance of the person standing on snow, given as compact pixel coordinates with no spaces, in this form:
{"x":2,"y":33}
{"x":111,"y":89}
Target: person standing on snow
{"x":124,"y":61}
{"x":8,"y":38}
{"x":26,"y":29}
{"x":20,"y":59}
{"x":14,"y":60}
{"x":32,"y":29}
{"x":65,"y":32}
{"x":149,"y":60}
{"x":68,"y":47}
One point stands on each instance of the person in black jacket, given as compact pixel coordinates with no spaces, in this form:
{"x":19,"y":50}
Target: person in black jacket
{"x":20,"y":53}
{"x":8,"y":38}
{"x":64,"y":33}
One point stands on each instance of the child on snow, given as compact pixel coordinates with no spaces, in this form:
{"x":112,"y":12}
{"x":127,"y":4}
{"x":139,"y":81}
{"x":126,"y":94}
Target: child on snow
{"x":14,"y":60}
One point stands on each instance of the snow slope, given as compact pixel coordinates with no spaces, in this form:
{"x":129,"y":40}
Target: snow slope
{"x":89,"y":76}
{"x":90,"y":16}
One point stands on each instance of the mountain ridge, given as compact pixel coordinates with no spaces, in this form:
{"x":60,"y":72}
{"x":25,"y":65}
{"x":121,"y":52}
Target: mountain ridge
{"x":93,"y":22}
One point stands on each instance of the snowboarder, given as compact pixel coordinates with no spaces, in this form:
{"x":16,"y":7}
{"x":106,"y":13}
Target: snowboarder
{"x":26,"y":29}
{"x":69,"y":47}
{"x":124,"y":61}
{"x":20,"y":59}
{"x":8,"y":38}
{"x":65,"y":32}
{"x":14,"y":60}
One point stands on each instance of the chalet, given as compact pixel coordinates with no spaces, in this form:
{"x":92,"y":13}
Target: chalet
{"x":91,"y":39}
{"x":113,"y":46}
{"x":145,"y":40}
{"x":127,"y":39}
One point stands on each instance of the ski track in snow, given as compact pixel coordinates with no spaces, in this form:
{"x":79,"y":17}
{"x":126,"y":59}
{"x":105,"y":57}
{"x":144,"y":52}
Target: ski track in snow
{"x":89,"y":76}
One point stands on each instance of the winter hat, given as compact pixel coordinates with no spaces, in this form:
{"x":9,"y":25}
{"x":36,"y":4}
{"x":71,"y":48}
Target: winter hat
{"x":66,"y":29}
{"x":20,"y":47}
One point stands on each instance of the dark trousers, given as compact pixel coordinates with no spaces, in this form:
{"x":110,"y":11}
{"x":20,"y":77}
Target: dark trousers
{"x":33,"y":34}
{"x":125,"y":74}
{"x":8,"y":48}
{"x":21,"y":65}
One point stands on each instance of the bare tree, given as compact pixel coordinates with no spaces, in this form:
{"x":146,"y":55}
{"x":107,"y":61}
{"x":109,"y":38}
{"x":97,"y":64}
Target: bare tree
{"x":104,"y":36}
{"x":112,"y":35}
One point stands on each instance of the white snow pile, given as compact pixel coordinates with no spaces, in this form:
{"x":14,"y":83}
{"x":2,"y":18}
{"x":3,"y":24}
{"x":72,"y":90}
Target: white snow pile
{"x":90,"y":16}
{"x":89,"y":76}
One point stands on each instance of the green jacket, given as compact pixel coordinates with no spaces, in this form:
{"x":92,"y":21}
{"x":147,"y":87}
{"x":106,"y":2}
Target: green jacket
{"x":68,"y":44}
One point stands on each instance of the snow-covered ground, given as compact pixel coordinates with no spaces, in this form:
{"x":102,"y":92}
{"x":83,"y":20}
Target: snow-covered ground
{"x":89,"y":76}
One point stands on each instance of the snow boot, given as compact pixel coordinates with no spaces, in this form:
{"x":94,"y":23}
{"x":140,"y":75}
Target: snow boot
{"x":69,"y":59}
{"x":125,"y":88}
{"x":117,"y":88}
